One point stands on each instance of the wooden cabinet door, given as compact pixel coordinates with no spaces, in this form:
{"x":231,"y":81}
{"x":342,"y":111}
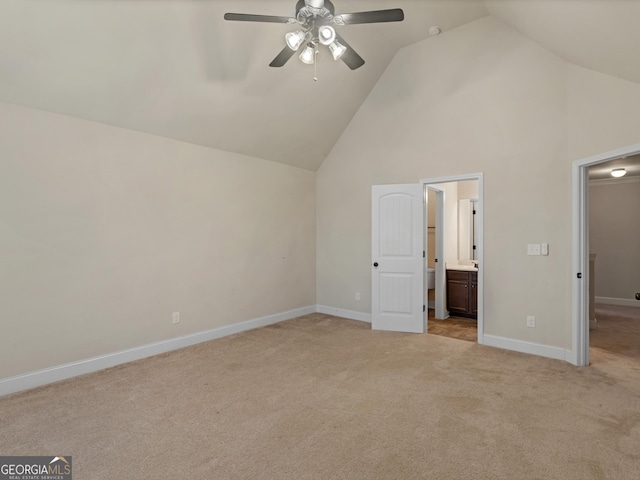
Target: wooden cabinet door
{"x":473,"y":293}
{"x":462,"y":293}
{"x":458,"y":292}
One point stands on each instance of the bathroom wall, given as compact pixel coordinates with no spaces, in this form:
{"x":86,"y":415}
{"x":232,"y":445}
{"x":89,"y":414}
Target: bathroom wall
{"x":450,"y":220}
{"x":614,"y":236}
{"x":431,"y":229}
{"x":468,"y":189}
{"x":454,"y":192}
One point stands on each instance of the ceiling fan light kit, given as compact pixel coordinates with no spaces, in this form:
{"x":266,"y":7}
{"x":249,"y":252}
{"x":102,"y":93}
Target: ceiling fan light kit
{"x":317,"y":19}
{"x":337,"y":50}
{"x":295,"y":39}
{"x":326,"y":34}
{"x":308,"y":55}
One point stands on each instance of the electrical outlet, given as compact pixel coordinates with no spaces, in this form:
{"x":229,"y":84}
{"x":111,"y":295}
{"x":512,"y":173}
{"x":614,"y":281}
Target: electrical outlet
{"x":533,"y":249}
{"x":357,"y":296}
{"x":531,"y":321}
{"x":175,"y":318}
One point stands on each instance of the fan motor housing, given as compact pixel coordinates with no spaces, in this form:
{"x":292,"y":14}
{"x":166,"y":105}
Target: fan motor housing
{"x":319,"y":15}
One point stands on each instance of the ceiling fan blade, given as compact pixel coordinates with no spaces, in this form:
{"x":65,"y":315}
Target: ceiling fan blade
{"x":282,"y":58}
{"x":350,"y":57}
{"x":247,"y":17}
{"x":375,"y":16}
{"x":329,"y":6}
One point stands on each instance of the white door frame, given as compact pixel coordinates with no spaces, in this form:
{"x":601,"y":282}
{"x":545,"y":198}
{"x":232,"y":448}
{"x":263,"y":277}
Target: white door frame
{"x":441,"y":278}
{"x":580,"y":260}
{"x":480,"y":236}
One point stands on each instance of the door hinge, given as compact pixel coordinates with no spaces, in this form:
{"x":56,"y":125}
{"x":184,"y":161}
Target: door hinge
{"x":436,"y":260}
{"x":579,"y":275}
{"x":424,"y":308}
{"x":423,"y":254}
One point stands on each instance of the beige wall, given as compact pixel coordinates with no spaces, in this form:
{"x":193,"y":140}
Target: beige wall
{"x":105,"y":232}
{"x":603,"y":113}
{"x":614,"y":236}
{"x":480,"y":98}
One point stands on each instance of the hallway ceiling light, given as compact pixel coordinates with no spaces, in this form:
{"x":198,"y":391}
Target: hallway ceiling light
{"x":618,"y":172}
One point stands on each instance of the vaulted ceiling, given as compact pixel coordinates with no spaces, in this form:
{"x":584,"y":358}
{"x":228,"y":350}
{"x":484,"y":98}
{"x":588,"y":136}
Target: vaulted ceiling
{"x":175,"y":68}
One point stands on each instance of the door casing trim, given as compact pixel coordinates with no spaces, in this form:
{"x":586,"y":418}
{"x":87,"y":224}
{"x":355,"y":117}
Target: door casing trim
{"x":579,"y":354}
{"x":480,"y":243}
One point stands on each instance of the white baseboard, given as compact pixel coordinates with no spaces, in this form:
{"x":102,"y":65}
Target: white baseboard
{"x":339,"y":312}
{"x":627,"y":302}
{"x":73,"y":369}
{"x":531,"y":348}
{"x":527,"y":347}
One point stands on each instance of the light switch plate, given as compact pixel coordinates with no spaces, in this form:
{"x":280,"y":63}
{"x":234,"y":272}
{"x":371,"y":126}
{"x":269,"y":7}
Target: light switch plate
{"x":544,"y":247}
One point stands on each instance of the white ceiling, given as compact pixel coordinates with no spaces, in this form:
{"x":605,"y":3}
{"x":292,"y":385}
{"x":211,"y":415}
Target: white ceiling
{"x":602,"y":35}
{"x":175,"y":68}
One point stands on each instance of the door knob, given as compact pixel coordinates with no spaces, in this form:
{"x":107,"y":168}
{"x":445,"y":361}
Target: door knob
{"x":375,"y":264}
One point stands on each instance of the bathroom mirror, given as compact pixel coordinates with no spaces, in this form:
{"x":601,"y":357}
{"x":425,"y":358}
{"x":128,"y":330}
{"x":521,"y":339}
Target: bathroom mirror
{"x":466,"y":229}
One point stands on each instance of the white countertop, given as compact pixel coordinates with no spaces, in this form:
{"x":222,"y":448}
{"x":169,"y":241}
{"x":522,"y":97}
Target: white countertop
{"x":466,"y":268}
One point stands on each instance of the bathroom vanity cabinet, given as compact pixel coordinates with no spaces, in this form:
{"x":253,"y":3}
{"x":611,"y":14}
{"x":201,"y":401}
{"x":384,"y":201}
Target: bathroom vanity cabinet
{"x":462,"y":293}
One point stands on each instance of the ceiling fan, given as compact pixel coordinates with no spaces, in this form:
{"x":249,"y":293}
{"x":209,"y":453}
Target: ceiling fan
{"x":317,"y":20}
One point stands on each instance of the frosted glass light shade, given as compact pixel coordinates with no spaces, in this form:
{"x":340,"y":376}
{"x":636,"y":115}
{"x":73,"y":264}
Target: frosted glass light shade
{"x":618,"y":172}
{"x":308,"y":55}
{"x":337,"y":49}
{"x":326,"y":35}
{"x":295,"y":39}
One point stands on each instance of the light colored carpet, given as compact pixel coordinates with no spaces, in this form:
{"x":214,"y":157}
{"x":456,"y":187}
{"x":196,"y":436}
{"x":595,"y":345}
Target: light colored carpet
{"x":615,"y":343}
{"x":325,"y":398}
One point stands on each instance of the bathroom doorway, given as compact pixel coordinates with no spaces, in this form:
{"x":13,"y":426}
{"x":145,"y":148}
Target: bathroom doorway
{"x":454,"y":241}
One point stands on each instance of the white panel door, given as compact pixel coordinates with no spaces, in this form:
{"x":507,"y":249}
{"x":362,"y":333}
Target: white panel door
{"x":397,"y":246}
